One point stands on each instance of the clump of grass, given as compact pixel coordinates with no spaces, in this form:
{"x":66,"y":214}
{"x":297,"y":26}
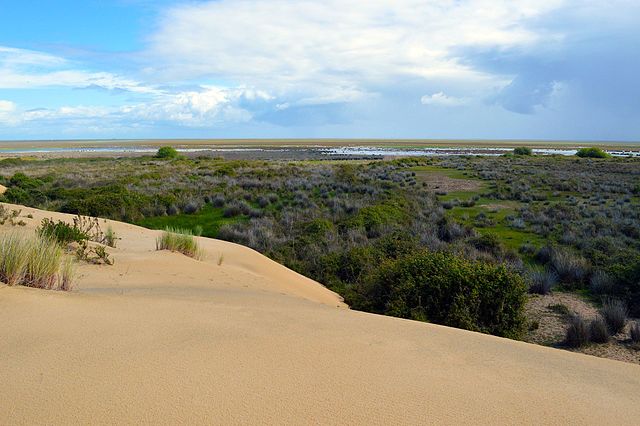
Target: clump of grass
{"x":13,"y":258}
{"x":65,"y":277}
{"x":577,"y":332}
{"x":45,"y":259}
{"x":634,"y":331}
{"x":110,"y":237}
{"x":34,"y":261}
{"x":615,"y":313}
{"x":180,"y":240}
{"x":542,"y":282}
{"x":598,"y":330}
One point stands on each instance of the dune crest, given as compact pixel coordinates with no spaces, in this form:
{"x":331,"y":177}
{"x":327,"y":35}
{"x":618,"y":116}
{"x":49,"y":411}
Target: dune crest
{"x":160,"y":338}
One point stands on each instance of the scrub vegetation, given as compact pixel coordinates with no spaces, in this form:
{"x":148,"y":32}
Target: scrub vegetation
{"x":453,"y":240}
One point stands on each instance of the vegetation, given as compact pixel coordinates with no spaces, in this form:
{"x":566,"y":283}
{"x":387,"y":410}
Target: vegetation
{"x":634,"y":331}
{"x":592,"y":152}
{"x":61,"y":232}
{"x":450,"y":290}
{"x":167,"y":152}
{"x":522,"y":150}
{"x":34,"y":261}
{"x":80,"y":232}
{"x":180,"y":240}
{"x":615,"y":314}
{"x":577,"y":333}
{"x":549,"y":222}
{"x":598,"y":330}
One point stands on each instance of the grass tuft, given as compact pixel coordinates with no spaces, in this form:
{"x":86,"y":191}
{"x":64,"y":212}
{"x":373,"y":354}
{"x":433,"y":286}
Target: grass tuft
{"x":577,"y":333}
{"x":13,"y":258}
{"x":180,"y":240}
{"x":34,"y":261}
{"x":598,"y":330}
{"x":615,"y":313}
{"x":634,"y":331}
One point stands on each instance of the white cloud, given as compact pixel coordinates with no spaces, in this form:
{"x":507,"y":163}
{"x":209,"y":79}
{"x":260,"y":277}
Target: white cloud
{"x":441,"y":99}
{"x":208,"y":107}
{"x":327,"y":51}
{"x":27,"y":69}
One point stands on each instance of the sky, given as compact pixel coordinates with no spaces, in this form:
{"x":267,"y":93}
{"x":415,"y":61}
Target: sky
{"x":458,"y":69}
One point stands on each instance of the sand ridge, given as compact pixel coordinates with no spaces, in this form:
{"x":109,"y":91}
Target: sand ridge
{"x":160,"y":338}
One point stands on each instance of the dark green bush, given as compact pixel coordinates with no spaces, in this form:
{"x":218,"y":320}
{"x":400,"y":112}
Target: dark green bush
{"x":449,"y":290}
{"x":61,"y":231}
{"x":592,"y":152}
{"x":522,"y":150}
{"x":167,"y":152}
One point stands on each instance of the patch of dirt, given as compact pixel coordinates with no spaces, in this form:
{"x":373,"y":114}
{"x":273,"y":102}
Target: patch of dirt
{"x":440,"y":182}
{"x":552,"y":313}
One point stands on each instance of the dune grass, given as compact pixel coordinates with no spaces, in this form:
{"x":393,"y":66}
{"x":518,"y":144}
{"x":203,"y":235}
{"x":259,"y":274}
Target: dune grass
{"x":180,"y":240}
{"x":34,"y":261}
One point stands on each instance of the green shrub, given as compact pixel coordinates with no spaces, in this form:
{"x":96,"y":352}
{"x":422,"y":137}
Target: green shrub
{"x":592,"y":152}
{"x":522,"y":150}
{"x":180,"y":240}
{"x":61,"y":232}
{"x":167,"y":152}
{"x":449,"y":290}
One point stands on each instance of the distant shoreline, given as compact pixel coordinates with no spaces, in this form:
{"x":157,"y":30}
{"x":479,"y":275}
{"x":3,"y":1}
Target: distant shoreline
{"x":14,"y":145}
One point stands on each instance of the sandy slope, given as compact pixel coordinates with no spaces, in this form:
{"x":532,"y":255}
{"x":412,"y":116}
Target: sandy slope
{"x":159,"y":338}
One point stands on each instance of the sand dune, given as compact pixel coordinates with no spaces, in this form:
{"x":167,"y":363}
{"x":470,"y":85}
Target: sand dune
{"x":160,"y":338}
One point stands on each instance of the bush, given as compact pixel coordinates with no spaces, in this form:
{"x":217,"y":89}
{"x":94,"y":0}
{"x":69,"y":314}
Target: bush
{"x":34,"y":261}
{"x":167,"y":152}
{"x":61,"y":232}
{"x":592,"y":152}
{"x":577,"y":333}
{"x":522,"y":150}
{"x":614,"y":312}
{"x":598,"y":331}
{"x":180,"y":240}
{"x":450,"y":290}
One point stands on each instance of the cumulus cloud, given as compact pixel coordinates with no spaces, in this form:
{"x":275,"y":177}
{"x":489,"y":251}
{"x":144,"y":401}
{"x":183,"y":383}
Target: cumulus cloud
{"x":323,"y":51}
{"x":208,"y":107}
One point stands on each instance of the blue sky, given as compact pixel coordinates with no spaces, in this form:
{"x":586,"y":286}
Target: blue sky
{"x":488,"y":69}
